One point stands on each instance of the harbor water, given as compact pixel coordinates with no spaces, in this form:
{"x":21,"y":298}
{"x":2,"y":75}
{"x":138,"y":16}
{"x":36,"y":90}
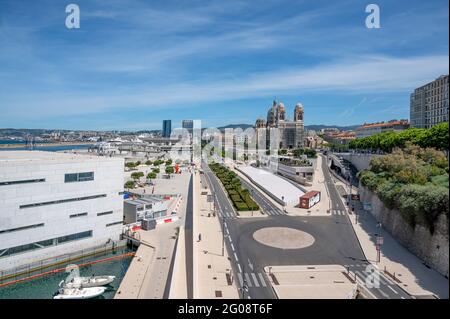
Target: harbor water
{"x":43,"y":147}
{"x":44,"y":287}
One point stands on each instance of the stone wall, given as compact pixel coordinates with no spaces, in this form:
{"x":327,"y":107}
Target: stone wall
{"x":360,"y":161}
{"x":432,"y":249}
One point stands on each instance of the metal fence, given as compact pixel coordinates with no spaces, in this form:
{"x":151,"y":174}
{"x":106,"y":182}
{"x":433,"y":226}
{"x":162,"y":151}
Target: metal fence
{"x":53,"y":262}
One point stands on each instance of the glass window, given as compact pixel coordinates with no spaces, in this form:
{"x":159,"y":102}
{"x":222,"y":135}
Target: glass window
{"x":21,"y":228}
{"x":69,"y":178}
{"x":78,"y":215}
{"x":44,"y":243}
{"x":79,"y":177}
{"x":115,"y":223}
{"x":105,"y":213}
{"x":40,"y":180}
{"x":83,"y":177}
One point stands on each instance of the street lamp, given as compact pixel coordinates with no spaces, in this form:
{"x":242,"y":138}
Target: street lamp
{"x":251,"y":195}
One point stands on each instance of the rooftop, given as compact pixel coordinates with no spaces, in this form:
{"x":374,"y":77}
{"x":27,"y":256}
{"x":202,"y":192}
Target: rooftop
{"x":31,"y":156}
{"x":274,"y":184}
{"x":383,"y":124}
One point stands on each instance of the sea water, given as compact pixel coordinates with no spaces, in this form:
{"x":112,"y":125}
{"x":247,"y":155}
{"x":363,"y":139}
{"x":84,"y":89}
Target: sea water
{"x":44,"y":287}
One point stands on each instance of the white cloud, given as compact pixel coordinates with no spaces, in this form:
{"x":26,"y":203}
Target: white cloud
{"x":368,"y":75}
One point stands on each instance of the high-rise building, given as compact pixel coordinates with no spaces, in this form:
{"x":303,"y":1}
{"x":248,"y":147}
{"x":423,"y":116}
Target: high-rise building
{"x":53,"y":204}
{"x":188,"y":125}
{"x":167,"y":128}
{"x":429,"y":104}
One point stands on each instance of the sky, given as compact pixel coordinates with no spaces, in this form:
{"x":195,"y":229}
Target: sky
{"x":134,"y":63}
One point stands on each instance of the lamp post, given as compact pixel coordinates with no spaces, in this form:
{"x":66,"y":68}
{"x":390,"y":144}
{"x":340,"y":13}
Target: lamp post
{"x":251,"y":195}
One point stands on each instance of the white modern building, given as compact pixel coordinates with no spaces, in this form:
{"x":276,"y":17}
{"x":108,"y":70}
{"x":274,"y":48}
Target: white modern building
{"x":57,"y":203}
{"x":149,"y":207}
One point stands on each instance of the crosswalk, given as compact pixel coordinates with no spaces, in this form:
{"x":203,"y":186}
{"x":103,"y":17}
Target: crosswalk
{"x":386,"y":288}
{"x":338,"y":212}
{"x":273,"y":212}
{"x":226,"y":214}
{"x":252,"y":280}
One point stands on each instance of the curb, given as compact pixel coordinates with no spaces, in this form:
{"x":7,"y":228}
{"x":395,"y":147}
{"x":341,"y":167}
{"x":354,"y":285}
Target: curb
{"x":348,"y":218}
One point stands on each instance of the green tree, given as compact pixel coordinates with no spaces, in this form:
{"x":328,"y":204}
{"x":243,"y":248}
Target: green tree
{"x":130,"y":164}
{"x":148,"y":163}
{"x":151,"y":175}
{"x":137,"y":175}
{"x":129,"y":184}
{"x":169,"y":170}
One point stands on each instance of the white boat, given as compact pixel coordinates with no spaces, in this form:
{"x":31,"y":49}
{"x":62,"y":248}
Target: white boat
{"x":79,"y":293}
{"x":87,"y":282}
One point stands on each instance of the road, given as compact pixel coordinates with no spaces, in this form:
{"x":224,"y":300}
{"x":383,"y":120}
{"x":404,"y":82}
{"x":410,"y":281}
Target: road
{"x":243,"y":268}
{"x":387,"y":288}
{"x":335,"y":241}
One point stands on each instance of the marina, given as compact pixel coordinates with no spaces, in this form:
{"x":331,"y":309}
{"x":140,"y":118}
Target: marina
{"x":112,"y":263}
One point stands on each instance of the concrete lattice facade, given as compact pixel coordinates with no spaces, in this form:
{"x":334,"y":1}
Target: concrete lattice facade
{"x":53,"y":204}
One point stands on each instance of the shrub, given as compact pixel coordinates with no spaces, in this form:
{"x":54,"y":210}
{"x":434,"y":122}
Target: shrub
{"x":241,"y":206}
{"x":235,"y":198}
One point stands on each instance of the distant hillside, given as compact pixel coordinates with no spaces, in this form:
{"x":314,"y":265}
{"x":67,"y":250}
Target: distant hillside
{"x":233,"y":126}
{"x":315,"y":127}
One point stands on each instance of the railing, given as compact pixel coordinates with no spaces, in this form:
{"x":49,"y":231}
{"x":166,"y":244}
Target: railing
{"x":46,"y":264}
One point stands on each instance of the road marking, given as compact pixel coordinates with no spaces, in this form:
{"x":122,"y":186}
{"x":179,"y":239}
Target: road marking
{"x":240,"y":269}
{"x":255,"y":279}
{"x":383,"y":293}
{"x":235,"y":257}
{"x":389,"y":286}
{"x":241,"y":280}
{"x":247,"y":278}
{"x":403,"y":297}
{"x":263,"y":282}
{"x":250,"y":264}
{"x":232,"y":247}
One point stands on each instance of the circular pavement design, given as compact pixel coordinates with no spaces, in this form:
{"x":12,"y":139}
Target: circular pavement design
{"x":283,"y":237}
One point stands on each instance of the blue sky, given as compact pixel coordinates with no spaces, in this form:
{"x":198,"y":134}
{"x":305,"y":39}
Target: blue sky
{"x":134,"y":63}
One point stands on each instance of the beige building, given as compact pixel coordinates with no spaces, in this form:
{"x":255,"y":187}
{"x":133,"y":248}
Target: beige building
{"x":429,"y":104}
{"x":369,"y":129}
{"x":290,"y":134}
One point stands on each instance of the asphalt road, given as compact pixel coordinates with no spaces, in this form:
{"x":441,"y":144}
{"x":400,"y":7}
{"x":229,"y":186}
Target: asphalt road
{"x":387,"y":289}
{"x":335,"y":242}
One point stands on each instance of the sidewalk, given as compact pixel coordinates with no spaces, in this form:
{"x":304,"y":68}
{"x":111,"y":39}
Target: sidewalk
{"x":317,"y":184}
{"x":412,"y":275}
{"x":311,"y":282}
{"x":211,"y":269}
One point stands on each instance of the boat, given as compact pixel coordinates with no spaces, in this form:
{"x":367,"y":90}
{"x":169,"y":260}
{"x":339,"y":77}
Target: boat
{"x":79,"y":293}
{"x":88,"y":282}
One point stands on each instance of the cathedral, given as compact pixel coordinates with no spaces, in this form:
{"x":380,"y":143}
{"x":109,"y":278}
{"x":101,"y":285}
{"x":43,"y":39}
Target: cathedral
{"x":289,"y":134}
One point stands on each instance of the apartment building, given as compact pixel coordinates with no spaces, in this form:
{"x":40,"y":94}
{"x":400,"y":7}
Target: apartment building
{"x":429,"y":104}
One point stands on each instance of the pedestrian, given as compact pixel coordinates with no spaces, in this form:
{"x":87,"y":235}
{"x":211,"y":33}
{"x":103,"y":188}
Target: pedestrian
{"x":199,"y":237}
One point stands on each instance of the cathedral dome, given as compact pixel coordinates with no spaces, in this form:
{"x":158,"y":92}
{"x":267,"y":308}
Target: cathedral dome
{"x":299,"y":107}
